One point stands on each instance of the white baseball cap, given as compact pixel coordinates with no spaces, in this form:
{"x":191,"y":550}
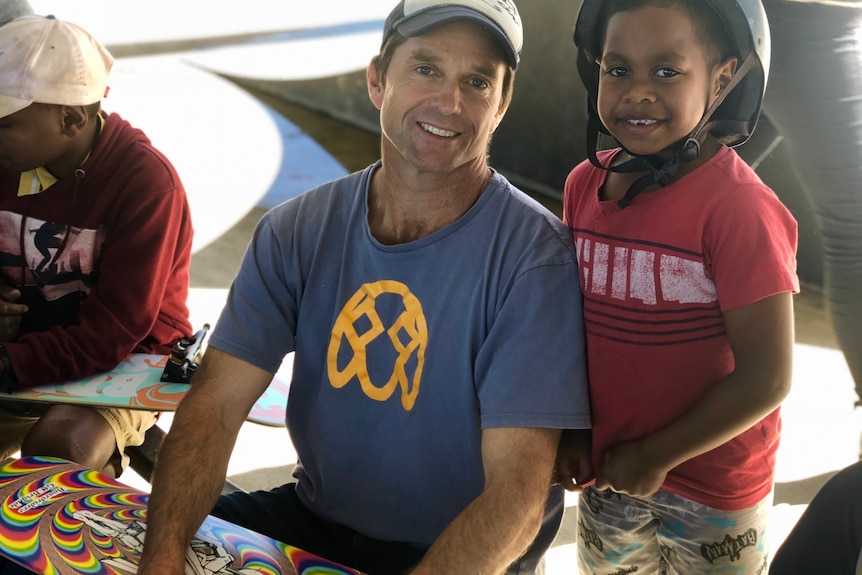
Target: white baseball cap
{"x":49,"y":61}
{"x":415,"y":17}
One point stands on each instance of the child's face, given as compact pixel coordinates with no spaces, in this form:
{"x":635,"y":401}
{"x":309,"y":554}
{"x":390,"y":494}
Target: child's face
{"x":32,"y":137}
{"x":655,"y":78}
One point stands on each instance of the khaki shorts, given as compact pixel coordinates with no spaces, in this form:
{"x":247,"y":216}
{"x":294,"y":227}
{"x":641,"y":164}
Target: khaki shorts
{"x":128,"y":425}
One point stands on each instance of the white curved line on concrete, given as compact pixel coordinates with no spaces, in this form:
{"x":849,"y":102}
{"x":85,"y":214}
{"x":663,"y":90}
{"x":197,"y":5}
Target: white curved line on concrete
{"x":133,"y":21}
{"x":222,"y":141}
{"x":299,"y":59}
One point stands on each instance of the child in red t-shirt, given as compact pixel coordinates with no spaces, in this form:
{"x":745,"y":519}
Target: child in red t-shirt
{"x":688,"y":268}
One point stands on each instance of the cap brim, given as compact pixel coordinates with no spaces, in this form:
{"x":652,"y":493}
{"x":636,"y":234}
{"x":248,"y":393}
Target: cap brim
{"x":425,"y":22}
{"x":10,"y":105}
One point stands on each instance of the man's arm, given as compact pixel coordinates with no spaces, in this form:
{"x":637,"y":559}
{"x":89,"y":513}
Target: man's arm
{"x":499,"y":525}
{"x":193,"y":460}
{"x":761,"y":338}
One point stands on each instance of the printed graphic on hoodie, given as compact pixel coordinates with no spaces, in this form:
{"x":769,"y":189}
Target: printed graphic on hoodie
{"x":57,"y":258}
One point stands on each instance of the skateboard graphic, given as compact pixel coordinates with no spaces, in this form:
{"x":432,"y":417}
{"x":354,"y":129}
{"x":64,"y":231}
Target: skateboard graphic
{"x":136,"y":383}
{"x":58,"y":518}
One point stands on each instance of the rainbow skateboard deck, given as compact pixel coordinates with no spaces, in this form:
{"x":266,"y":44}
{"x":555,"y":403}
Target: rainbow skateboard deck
{"x":58,"y":518}
{"x":136,"y":384}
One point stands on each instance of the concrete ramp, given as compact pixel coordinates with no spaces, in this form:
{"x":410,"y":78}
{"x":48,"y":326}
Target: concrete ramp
{"x":232,"y":151}
{"x":225,"y":144}
{"x":321,"y":68}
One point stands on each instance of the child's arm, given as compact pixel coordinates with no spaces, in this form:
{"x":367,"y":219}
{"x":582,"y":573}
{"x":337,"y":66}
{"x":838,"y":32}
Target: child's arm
{"x":761,"y":338}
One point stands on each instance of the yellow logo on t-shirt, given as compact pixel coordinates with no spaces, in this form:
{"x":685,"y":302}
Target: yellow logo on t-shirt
{"x":408,"y":336}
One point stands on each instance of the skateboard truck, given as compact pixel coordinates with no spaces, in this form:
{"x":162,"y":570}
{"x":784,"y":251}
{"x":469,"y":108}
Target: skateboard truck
{"x":184,"y":357}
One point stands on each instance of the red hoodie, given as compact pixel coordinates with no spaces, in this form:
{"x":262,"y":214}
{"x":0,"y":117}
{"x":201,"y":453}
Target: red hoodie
{"x":107,"y":252}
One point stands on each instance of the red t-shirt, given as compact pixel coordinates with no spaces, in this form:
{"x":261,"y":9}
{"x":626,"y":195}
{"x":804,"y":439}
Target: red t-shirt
{"x":656,"y":278}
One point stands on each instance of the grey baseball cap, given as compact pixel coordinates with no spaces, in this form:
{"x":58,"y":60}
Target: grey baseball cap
{"x":11,"y":9}
{"x":500,"y":17}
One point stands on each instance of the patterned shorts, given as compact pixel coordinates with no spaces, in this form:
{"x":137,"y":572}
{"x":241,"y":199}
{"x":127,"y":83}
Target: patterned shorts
{"x":666,"y":534}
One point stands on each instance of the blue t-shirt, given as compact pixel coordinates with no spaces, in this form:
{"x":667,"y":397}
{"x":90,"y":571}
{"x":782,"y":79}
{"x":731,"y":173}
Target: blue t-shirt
{"x":404,"y":353}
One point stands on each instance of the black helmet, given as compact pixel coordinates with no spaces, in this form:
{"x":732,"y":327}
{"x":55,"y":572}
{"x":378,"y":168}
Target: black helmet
{"x":733,"y":116}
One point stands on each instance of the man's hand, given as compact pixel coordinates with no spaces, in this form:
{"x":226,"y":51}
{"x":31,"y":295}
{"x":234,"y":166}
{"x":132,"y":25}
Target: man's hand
{"x":10,"y":313}
{"x":574,"y":465}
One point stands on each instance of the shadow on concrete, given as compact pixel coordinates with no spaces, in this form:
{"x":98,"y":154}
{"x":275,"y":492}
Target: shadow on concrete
{"x":800,"y":491}
{"x":263,"y":477}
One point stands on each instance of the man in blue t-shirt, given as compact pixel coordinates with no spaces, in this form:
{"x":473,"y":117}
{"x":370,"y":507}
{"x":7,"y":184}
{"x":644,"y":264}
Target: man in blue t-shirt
{"x":435,"y":316}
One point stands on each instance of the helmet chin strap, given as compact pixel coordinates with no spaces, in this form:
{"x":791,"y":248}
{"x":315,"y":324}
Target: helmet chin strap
{"x":661,"y":170}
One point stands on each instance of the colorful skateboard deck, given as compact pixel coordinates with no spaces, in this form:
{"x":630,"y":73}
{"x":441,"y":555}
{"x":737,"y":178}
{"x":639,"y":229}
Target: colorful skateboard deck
{"x":58,"y":518}
{"x":136,"y":384}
